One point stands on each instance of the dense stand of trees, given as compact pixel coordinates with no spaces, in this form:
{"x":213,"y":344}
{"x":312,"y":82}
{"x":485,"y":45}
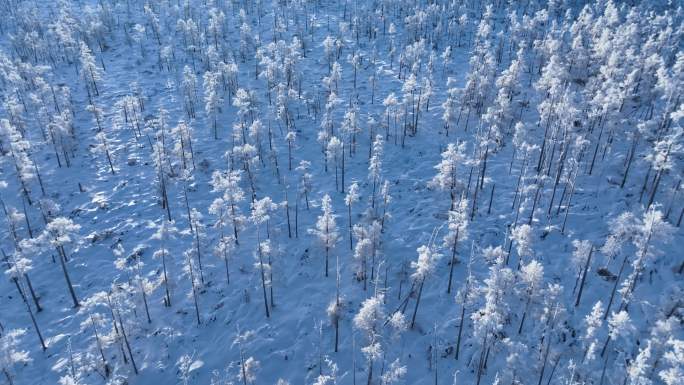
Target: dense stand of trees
{"x":557,"y":127}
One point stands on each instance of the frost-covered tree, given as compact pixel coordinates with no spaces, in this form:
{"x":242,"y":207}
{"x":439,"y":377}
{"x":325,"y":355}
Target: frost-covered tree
{"x":581,"y":259}
{"x":620,"y":330}
{"x":59,"y":233}
{"x":651,"y":228}
{"x":11,"y":354}
{"x":521,"y":236}
{"x":17,"y":268}
{"x":198,"y":229}
{"x":638,"y":370}
{"x":90,"y":73}
{"x":261,"y":214}
{"x":187,"y":364}
{"x":225,"y":243}
{"x":165,"y":231}
{"x":133,"y":265}
{"x":422,"y":268}
{"x":375,"y":167}
{"x":248,"y":365}
{"x":674,"y":358}
{"x":350,"y":127}
{"x":447,"y":171}
{"x":102,"y":146}
{"x":228,"y":184}
{"x":189,"y":269}
{"x":349,"y":199}
{"x":489,"y":318}
{"x":326,"y":229}
{"x":331,"y":377}
{"x":386,"y":198}
{"x":290,"y":138}
{"x":189,"y":89}
{"x":261,"y":210}
{"x":390,"y":103}
{"x":457,"y":230}
{"x":249,"y":369}
{"x":104,"y":335}
{"x":335,"y":309}
{"x":363,"y":250}
{"x":592,"y":325}
{"x":305,"y":179}
{"x":247,"y":155}
{"x":212,"y":98}
{"x":369,"y":320}
{"x":449,"y":115}
{"x":19,"y":149}
{"x":335,"y":150}
{"x":531,"y":276}
{"x":622,"y":229}
{"x":183,"y":136}
{"x":394,"y":373}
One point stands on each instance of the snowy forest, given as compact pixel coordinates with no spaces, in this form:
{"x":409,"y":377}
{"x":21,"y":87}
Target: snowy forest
{"x":353,"y":192}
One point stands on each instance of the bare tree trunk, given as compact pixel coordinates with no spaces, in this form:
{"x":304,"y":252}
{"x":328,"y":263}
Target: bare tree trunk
{"x":62,"y":259}
{"x":287,"y":215}
{"x":603,"y":371}
{"x":567,"y":209}
{"x":460,"y":330}
{"x":33,"y":318}
{"x":263,"y":281}
{"x":453,"y":261}
{"x":8,"y":376}
{"x":491,"y":198}
{"x":370,"y":371}
{"x":199,"y":254}
{"x":546,"y":359}
{"x":629,"y":160}
{"x":522,"y":320}
{"x":99,"y":347}
{"x":351,"y":239}
{"x":480,"y":365}
{"x":612,"y":293}
{"x":353,"y":359}
{"x":194,"y":292}
{"x":128,"y":346}
{"x":415,"y":309}
{"x":144,"y":298}
{"x":166,"y":279}
{"x":33,"y":294}
{"x":584,"y":277}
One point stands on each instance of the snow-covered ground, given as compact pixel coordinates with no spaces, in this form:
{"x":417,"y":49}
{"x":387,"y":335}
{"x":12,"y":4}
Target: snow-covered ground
{"x":564,"y":178}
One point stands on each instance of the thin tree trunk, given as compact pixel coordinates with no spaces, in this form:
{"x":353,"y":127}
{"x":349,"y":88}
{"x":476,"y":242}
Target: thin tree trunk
{"x":199,"y":254}
{"x":8,"y":376}
{"x":166,"y":280}
{"x":612,"y":293}
{"x":460,"y":330}
{"x":351,"y":240}
{"x":194,"y":292}
{"x":567,"y":209}
{"x":62,"y":258}
{"x":128,"y":345}
{"x":415,"y":309}
{"x":263,"y":281}
{"x":546,"y":358}
{"x":584,"y":277}
{"x":453,"y":261}
{"x":522,"y":320}
{"x":33,"y":318}
{"x":144,"y":298}
{"x":99,"y":347}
